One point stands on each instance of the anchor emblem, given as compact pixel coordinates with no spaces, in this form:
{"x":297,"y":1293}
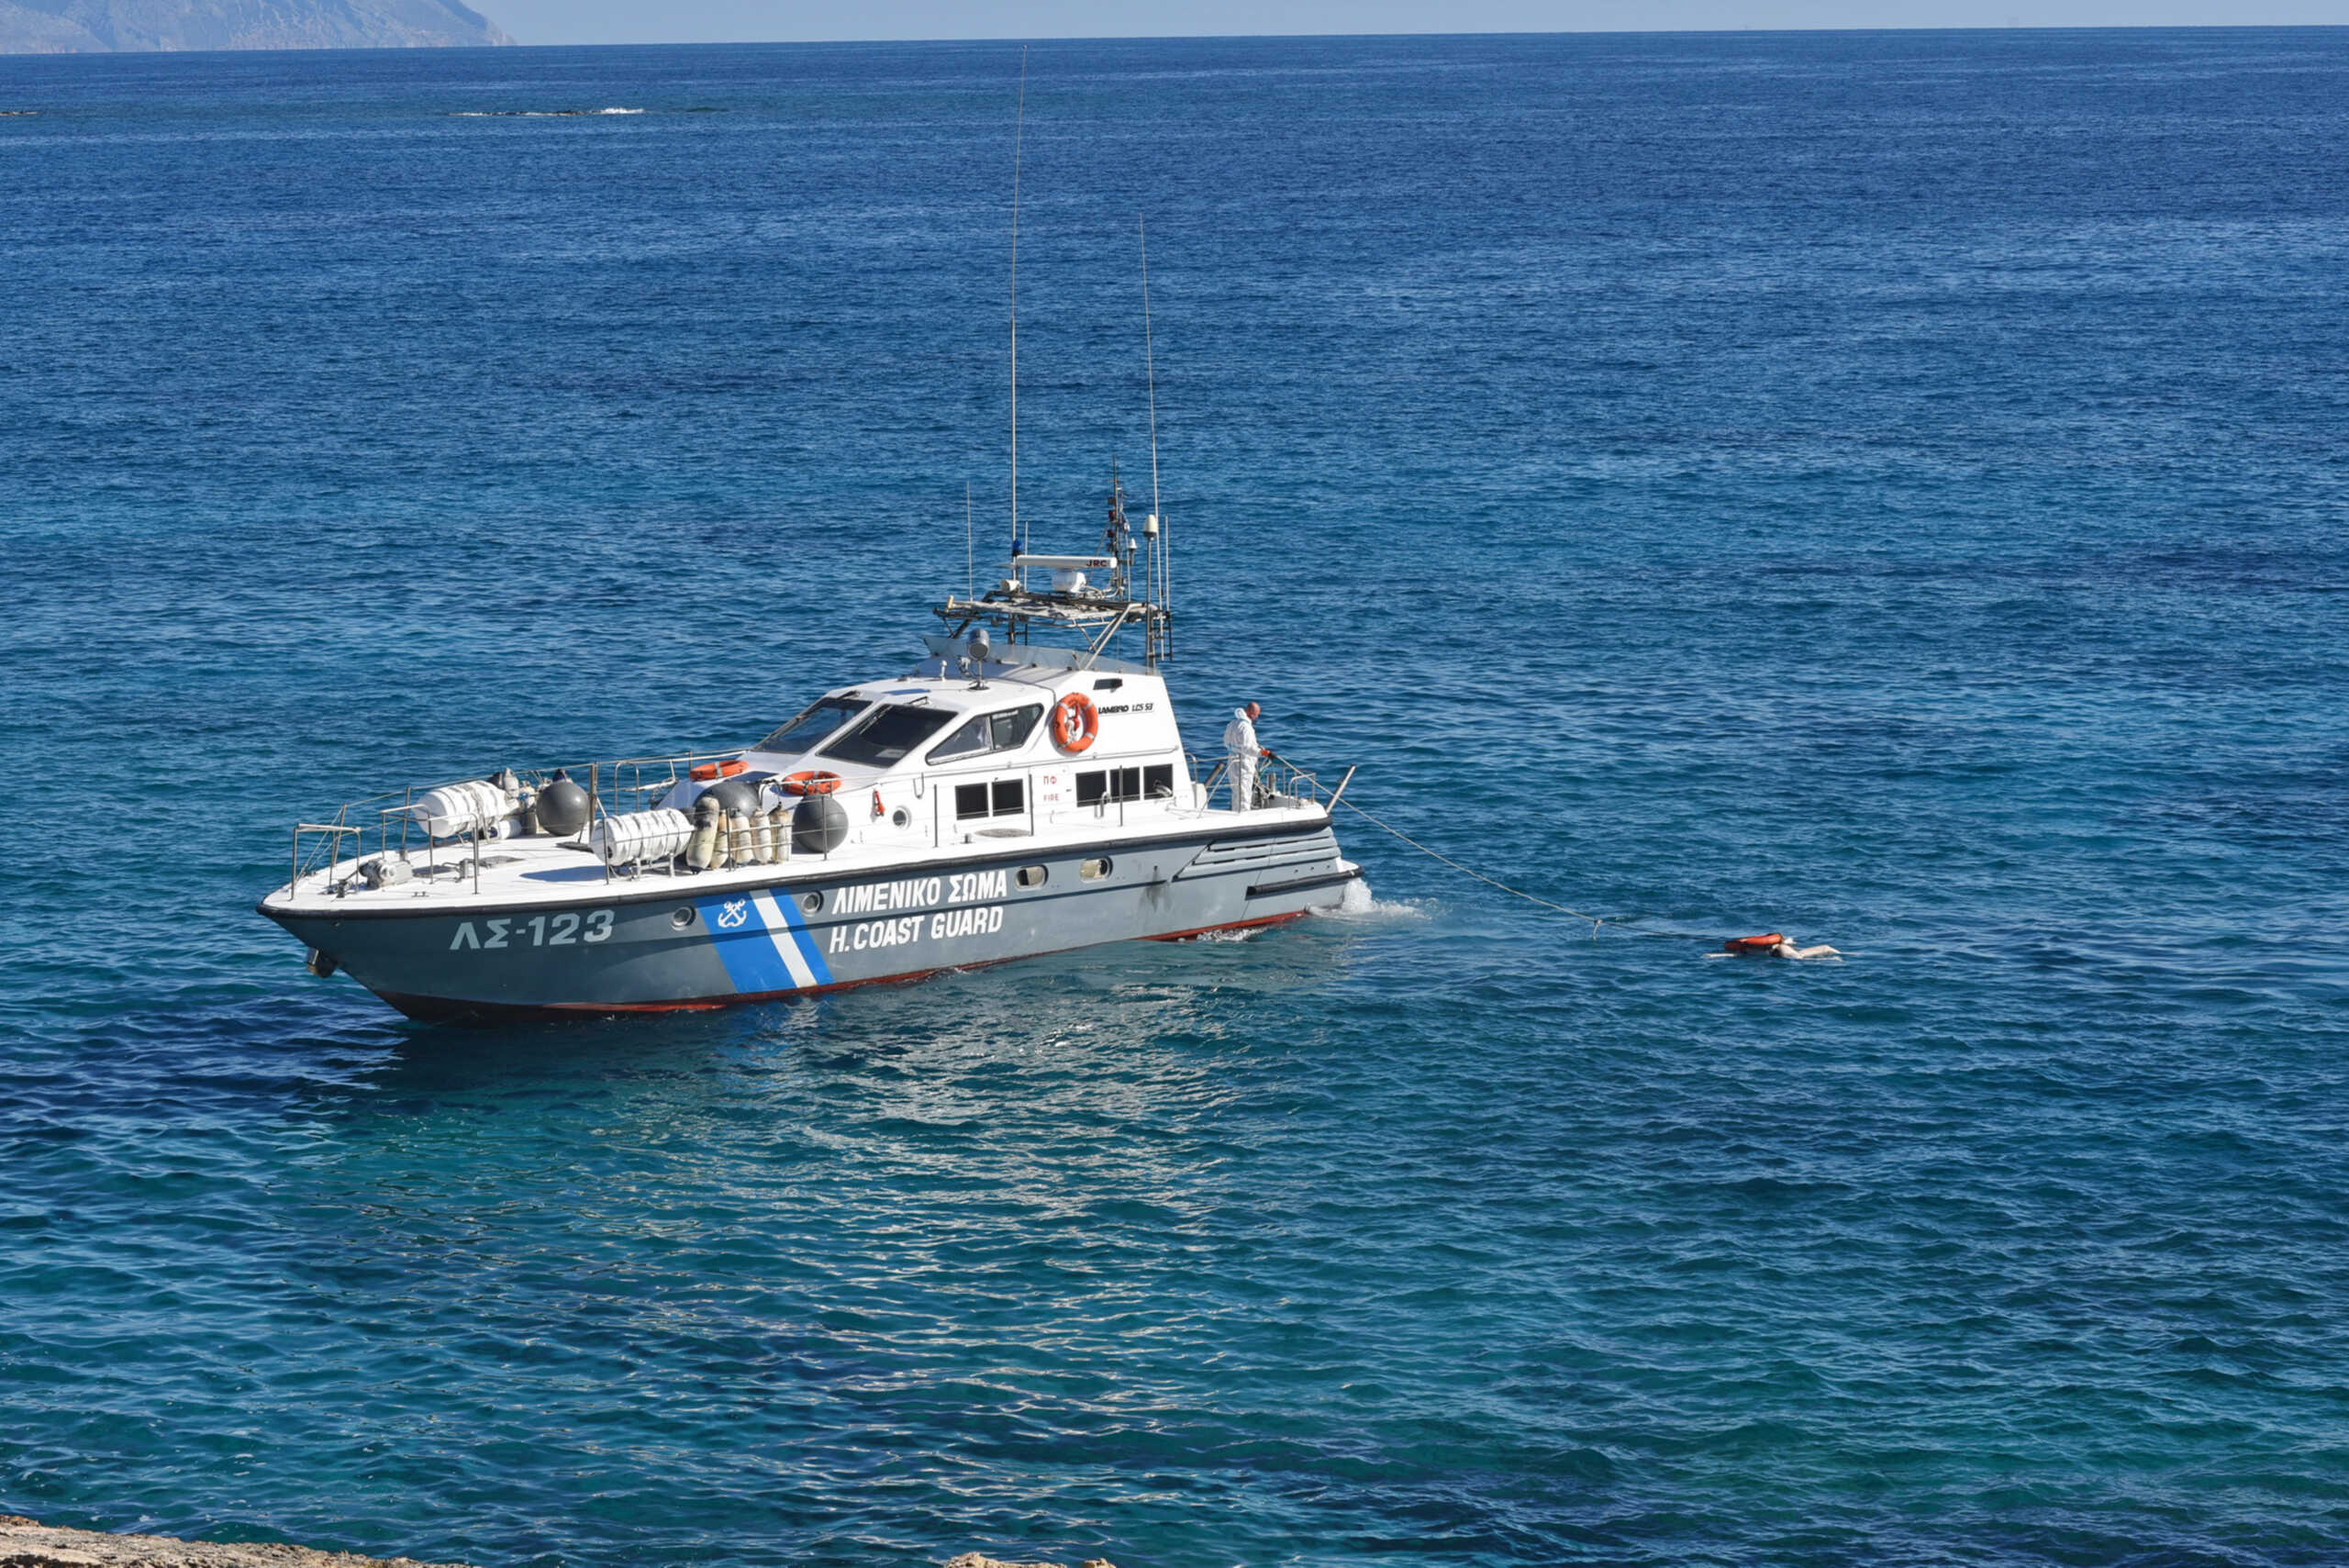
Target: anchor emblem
{"x":733,"y":912}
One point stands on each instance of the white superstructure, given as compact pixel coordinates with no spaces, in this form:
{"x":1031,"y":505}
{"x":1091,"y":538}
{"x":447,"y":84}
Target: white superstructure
{"x":1001,"y":797}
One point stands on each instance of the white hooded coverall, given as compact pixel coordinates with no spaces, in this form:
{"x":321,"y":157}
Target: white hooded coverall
{"x":1239,"y":743}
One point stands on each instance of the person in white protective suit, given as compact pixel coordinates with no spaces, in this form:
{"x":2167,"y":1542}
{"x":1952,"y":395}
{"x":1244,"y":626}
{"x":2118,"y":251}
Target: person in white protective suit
{"x":1241,"y":753}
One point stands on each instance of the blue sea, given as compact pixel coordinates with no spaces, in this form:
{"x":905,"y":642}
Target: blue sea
{"x":1887,"y":488}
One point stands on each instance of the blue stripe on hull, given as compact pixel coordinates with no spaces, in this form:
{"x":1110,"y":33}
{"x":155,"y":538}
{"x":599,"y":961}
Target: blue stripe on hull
{"x":763,"y":944}
{"x":805,"y":940}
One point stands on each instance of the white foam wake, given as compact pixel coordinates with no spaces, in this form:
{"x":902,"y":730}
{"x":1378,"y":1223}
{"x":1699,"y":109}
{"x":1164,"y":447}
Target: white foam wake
{"x":535,"y":114}
{"x":1360,"y":904}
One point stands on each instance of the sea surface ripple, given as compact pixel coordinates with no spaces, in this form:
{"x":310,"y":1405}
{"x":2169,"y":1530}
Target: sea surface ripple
{"x":1889,"y":488}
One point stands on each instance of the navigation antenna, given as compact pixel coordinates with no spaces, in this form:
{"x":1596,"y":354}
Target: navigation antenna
{"x":970,"y":548}
{"x":1019,"y":128}
{"x":1150,"y":370}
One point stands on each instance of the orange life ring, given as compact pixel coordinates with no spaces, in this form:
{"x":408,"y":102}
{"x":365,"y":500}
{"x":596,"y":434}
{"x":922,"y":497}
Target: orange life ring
{"x":877,"y":806}
{"x":1076,"y":723}
{"x":725,"y":770}
{"x":811,"y":782}
{"x":1752,"y":947}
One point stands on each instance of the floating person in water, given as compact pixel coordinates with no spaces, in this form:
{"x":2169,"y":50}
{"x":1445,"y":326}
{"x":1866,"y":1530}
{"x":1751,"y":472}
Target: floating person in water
{"x":1241,"y":754}
{"x":1773,"y":945}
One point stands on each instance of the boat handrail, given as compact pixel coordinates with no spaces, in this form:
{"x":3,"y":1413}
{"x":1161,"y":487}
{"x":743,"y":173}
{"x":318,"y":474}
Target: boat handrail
{"x":1275,"y":776}
{"x":630,"y":784}
{"x":383,"y":820}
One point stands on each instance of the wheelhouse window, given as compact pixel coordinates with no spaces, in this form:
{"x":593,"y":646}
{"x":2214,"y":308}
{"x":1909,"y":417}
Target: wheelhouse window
{"x":989,"y":733}
{"x":805,"y":732}
{"x":882,"y":738}
{"x":1002,"y":798}
{"x":1117,"y":784}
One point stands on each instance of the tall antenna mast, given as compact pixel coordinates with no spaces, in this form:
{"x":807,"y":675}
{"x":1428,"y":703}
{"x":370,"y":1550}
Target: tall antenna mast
{"x":1150,"y":370}
{"x":1018,"y":136}
{"x":970,"y":548}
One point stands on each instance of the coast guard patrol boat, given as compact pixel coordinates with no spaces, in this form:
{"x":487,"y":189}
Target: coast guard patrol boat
{"x":1023,"y":789}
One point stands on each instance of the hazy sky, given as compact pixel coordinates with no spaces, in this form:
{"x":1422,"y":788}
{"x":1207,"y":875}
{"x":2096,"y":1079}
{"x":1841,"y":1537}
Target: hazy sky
{"x":712,"y":22}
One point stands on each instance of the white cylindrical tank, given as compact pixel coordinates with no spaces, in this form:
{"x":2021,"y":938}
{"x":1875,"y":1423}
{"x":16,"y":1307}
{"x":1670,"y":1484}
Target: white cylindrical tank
{"x":473,"y":806}
{"x":656,"y":835}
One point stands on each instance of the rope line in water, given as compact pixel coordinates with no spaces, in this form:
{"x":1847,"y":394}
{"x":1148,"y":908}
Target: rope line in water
{"x":1596,"y":920}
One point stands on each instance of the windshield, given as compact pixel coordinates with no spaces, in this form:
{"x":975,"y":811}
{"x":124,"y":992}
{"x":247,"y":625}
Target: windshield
{"x":812,"y":726}
{"x":883,"y":736}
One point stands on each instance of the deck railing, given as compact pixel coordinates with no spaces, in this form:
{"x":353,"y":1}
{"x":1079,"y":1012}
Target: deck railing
{"x":1278,"y":782}
{"x":381,"y":825}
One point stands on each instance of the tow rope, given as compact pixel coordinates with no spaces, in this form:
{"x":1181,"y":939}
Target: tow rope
{"x":1596,"y":920}
{"x":1776,"y":944}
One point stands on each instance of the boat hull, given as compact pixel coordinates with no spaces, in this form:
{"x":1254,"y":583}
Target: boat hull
{"x":659,"y":943}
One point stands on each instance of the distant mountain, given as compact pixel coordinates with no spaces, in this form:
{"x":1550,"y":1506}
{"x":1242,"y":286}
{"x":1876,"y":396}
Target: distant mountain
{"x":102,"y":26}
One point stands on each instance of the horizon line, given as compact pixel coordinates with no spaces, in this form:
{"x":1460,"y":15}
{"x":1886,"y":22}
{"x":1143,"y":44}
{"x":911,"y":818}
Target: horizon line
{"x":1013,"y":39}
{"x":2015,"y":26}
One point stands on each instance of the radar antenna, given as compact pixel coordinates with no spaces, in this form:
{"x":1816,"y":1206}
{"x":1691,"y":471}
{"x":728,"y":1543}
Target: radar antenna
{"x":1162,"y":589}
{"x":1091,"y":613}
{"x":1018,"y":134}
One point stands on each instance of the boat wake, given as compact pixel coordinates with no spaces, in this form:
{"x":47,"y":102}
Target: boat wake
{"x":1361,"y":905}
{"x":535,"y":114}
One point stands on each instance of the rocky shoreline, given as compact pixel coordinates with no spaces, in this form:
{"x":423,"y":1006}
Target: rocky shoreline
{"x":25,"y":1543}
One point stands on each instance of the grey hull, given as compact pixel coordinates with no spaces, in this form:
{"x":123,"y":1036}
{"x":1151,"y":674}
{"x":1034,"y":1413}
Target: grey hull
{"x":659,"y":943}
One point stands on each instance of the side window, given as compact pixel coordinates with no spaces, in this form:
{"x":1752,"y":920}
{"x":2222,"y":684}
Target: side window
{"x":986,"y":732}
{"x":971,"y":737}
{"x":1012,"y":729}
{"x":1122,"y":784}
{"x":1004,"y":797}
{"x":1158,"y":782}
